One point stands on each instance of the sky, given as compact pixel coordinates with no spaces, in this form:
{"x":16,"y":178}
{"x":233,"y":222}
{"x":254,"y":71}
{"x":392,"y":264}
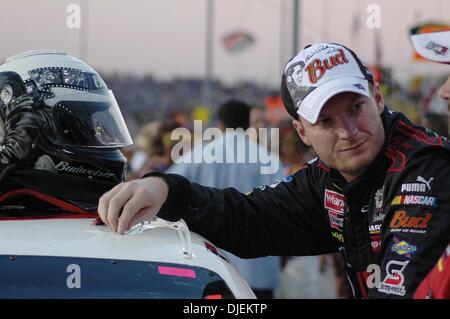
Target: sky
{"x":166,"y":38}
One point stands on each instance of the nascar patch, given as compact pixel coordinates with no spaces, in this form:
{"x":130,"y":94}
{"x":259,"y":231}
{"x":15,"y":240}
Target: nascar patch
{"x":414,"y":200}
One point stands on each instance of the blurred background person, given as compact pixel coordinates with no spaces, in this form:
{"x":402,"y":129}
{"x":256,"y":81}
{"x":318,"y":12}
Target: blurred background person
{"x":435,"y":46}
{"x":159,"y":159}
{"x":143,"y":148}
{"x":294,"y":153}
{"x":258,"y":120}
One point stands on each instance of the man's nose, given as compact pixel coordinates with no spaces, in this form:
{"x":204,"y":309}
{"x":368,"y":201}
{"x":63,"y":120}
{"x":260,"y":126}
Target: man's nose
{"x":347,"y":128}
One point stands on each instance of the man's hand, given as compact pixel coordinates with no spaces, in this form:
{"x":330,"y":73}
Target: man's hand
{"x":132,"y":203}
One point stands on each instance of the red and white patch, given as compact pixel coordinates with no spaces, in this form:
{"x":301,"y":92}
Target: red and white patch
{"x":334,"y":202}
{"x":375,"y":243}
{"x":393,"y":282}
{"x":336,"y":219}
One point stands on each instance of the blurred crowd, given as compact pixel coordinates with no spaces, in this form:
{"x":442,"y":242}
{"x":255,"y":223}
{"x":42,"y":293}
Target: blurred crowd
{"x":153,"y":109}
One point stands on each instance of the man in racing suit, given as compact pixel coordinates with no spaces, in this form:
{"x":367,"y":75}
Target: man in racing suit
{"x":378,"y":193}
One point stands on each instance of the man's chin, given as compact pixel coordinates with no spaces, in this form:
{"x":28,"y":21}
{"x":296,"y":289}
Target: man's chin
{"x":356,"y":166}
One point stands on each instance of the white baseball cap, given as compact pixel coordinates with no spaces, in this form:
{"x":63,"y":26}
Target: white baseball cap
{"x":319,"y":72}
{"x":434,"y":46}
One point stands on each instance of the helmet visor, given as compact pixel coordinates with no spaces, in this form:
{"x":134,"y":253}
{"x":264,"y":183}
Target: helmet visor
{"x":90,"y":124}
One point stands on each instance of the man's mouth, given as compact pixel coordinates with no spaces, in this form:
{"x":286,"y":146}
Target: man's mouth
{"x":354,"y":147}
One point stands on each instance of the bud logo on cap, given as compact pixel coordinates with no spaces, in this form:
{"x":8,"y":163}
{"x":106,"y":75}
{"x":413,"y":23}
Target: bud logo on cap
{"x":323,"y":66}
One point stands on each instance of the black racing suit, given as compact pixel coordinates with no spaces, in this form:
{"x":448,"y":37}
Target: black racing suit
{"x":390,"y":225}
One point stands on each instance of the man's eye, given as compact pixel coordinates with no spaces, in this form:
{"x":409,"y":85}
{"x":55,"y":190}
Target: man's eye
{"x":357,"y":106}
{"x":324,"y":121}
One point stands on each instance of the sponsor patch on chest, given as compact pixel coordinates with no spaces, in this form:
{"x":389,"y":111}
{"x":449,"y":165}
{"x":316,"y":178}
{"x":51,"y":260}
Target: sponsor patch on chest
{"x":334,"y":203}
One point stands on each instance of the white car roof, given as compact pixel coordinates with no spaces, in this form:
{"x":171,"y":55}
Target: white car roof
{"x":159,"y":241}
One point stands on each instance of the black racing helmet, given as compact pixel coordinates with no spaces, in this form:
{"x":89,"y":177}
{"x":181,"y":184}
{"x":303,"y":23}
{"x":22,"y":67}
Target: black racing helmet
{"x":73,"y":124}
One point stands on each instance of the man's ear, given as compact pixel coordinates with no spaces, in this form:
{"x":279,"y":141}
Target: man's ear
{"x":300,"y":129}
{"x":378,"y":97}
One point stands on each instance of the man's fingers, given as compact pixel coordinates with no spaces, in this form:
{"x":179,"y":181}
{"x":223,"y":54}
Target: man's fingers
{"x":132,"y":202}
{"x":103,"y":202}
{"x":139,"y":201}
{"x":116,"y":204}
{"x":140,"y":217}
